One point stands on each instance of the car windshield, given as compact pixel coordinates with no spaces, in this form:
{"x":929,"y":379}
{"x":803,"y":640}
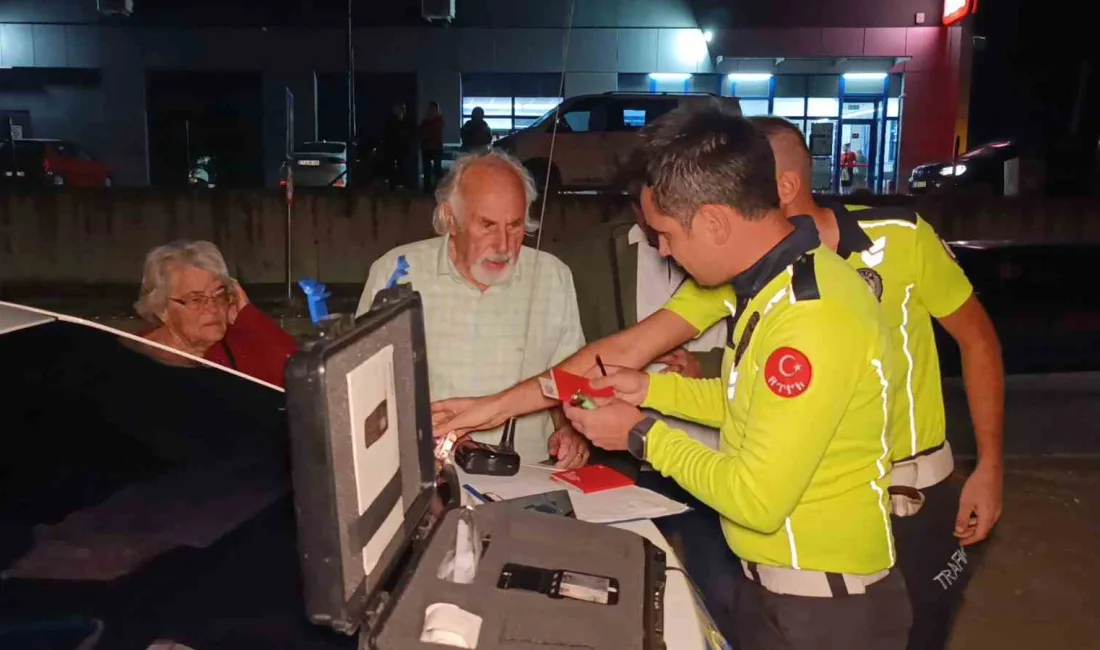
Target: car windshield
{"x":546,"y":117}
{"x":322,"y":148}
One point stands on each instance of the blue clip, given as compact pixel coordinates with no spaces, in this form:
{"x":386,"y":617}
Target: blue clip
{"x":400,"y":273}
{"x":315,"y":298}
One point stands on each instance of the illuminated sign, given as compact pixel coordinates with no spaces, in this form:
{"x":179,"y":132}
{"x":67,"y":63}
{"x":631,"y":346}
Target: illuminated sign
{"x":956,"y":10}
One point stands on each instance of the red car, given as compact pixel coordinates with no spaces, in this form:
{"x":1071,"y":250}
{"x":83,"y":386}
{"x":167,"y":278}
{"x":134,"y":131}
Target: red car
{"x":52,"y":162}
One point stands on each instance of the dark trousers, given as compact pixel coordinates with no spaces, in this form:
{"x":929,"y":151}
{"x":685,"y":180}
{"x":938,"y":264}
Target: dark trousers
{"x":431,"y":165}
{"x":876,"y":620}
{"x":935,"y":567}
{"x":706,"y":556}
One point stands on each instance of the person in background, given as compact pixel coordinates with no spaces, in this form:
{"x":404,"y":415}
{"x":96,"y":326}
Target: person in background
{"x":431,"y":146}
{"x":494,"y":311}
{"x":476,"y":134}
{"x":396,"y":145}
{"x":847,"y":168}
{"x":195,"y":307}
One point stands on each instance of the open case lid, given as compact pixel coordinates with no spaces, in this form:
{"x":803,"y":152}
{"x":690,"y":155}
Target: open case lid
{"x":362,"y":456}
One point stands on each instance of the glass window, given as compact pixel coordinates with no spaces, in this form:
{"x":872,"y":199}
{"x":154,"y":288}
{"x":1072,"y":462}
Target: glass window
{"x":823,"y":107}
{"x":789,"y":106}
{"x":752,"y":87}
{"x":633,"y":118}
{"x":859,"y":110}
{"x":535,"y":106}
{"x":893,"y":107}
{"x":501,"y":113}
{"x":751,"y":107}
{"x":493,"y":106}
{"x":633,"y":115}
{"x":860,"y":85}
{"x":577,"y":121}
{"x":499,"y":124}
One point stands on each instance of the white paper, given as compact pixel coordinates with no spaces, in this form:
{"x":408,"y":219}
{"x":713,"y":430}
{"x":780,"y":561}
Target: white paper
{"x":368,"y":385}
{"x":620,"y":504}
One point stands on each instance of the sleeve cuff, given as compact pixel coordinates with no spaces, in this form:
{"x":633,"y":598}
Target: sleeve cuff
{"x":951,"y":303}
{"x":662,"y":385}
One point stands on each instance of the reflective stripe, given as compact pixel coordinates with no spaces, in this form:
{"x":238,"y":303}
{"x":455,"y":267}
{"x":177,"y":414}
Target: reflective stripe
{"x":774,"y":301}
{"x":884,"y":437}
{"x":790,"y":541}
{"x":926,"y":470}
{"x":888,"y":222}
{"x":812,"y":584}
{"x":909,"y":371}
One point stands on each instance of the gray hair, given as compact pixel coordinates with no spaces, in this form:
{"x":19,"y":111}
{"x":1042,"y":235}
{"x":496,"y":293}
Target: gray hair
{"x":447,"y":189}
{"x":157,"y":276}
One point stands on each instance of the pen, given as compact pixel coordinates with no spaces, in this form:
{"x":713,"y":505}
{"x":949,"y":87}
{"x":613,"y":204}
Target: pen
{"x":477,"y":495}
{"x":599,"y":362}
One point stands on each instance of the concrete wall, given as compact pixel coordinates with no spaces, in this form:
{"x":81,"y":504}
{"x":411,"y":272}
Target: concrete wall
{"x":102,"y":237}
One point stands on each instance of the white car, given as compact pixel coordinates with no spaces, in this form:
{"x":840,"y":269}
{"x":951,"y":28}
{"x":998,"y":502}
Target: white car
{"x":595,"y":134}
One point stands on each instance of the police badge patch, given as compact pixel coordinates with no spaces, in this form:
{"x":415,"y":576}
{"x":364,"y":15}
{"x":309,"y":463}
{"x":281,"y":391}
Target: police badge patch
{"x":873,"y":280}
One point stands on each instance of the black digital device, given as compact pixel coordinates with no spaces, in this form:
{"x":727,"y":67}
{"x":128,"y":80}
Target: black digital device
{"x":493,"y":460}
{"x":559,"y":583}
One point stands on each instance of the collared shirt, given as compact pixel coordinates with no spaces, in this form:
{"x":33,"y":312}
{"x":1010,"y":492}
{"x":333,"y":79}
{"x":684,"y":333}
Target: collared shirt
{"x":915,"y":275}
{"x":479,"y":342}
{"x":658,"y":279}
{"x":800,"y":479}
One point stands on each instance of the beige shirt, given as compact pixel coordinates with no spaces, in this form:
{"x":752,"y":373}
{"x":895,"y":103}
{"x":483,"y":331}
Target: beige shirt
{"x":480,"y":343}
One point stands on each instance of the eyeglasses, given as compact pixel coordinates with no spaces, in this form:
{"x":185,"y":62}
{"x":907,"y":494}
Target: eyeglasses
{"x":200,"y":301}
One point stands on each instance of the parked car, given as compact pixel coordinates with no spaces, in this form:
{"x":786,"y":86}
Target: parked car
{"x":52,"y":162}
{"x":980,"y":170}
{"x":319,"y":164}
{"x":595,"y":133}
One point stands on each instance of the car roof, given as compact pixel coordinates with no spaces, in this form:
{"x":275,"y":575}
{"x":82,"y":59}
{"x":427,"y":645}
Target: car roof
{"x":15,"y":317}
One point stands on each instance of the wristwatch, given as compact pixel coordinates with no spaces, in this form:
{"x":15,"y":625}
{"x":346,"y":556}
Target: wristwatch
{"x":637,"y":439}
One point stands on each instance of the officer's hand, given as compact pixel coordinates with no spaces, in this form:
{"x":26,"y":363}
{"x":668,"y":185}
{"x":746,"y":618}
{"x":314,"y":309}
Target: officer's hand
{"x":608,"y":426}
{"x":569,"y":447}
{"x":682,"y":362}
{"x":630,"y":385}
{"x":981,"y":504}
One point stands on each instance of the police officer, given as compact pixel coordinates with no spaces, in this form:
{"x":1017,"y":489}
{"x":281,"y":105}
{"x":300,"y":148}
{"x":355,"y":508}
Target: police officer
{"x":916,"y":278}
{"x":800,"y":479}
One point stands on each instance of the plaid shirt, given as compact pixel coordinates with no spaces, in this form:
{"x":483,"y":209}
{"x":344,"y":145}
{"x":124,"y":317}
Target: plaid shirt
{"x":479,"y":342}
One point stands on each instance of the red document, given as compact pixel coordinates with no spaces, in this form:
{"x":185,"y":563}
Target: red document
{"x":564,"y":385}
{"x":593,"y":478}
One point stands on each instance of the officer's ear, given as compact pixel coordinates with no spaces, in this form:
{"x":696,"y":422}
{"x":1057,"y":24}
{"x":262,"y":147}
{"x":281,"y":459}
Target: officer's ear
{"x":789,"y":184}
{"x":714,"y":220}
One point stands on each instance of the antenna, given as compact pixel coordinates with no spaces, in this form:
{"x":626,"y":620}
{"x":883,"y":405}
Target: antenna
{"x":508,"y":436}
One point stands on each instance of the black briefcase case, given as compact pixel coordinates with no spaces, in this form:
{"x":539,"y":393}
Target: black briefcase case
{"x":377,"y":516}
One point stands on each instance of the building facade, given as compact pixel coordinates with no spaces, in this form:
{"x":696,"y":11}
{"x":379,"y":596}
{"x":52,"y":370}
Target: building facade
{"x":150,"y":91}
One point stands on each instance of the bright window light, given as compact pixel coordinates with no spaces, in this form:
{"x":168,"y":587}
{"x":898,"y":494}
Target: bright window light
{"x":749,"y":76}
{"x":691,"y":46}
{"x":669,"y":76}
{"x":869,"y":76}
{"x":708,"y":36}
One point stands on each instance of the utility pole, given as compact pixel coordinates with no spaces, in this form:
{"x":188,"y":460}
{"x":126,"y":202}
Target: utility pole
{"x":351,"y":81}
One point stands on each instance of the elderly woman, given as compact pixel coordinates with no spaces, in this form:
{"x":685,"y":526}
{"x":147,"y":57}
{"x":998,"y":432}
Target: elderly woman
{"x":195,"y":307}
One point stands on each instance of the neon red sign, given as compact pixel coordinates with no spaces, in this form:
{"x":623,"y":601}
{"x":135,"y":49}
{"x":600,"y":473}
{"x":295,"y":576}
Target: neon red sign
{"x":956,"y":10}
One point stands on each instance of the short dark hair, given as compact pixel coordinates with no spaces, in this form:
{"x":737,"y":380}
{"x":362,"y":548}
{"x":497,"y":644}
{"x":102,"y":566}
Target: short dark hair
{"x":702,"y":154}
{"x":772,"y":125}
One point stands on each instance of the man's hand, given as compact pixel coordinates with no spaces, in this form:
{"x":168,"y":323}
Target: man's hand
{"x":608,"y":426}
{"x":569,"y":447}
{"x":463,"y":415}
{"x":682,"y":362}
{"x":983,"y":500}
{"x":630,"y":385}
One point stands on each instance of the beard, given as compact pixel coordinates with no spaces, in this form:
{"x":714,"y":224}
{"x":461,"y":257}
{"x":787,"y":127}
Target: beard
{"x":489,"y":277}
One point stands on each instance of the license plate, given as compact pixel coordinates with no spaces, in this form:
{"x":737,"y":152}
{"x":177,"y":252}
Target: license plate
{"x":309,"y":163}
{"x":920,"y":184}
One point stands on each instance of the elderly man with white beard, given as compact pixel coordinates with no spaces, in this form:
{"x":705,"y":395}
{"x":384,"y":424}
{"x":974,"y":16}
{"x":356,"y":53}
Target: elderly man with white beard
{"x":495,"y":311}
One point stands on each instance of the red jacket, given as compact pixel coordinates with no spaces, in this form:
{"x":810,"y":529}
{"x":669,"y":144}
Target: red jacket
{"x":256,"y":346}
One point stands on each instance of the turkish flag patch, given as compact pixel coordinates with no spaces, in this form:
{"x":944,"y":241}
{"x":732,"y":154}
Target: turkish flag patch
{"x":788,"y":372}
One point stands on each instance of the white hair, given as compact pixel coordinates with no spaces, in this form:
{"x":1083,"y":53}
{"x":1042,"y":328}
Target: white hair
{"x":448,"y":189}
{"x":159,"y":265}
